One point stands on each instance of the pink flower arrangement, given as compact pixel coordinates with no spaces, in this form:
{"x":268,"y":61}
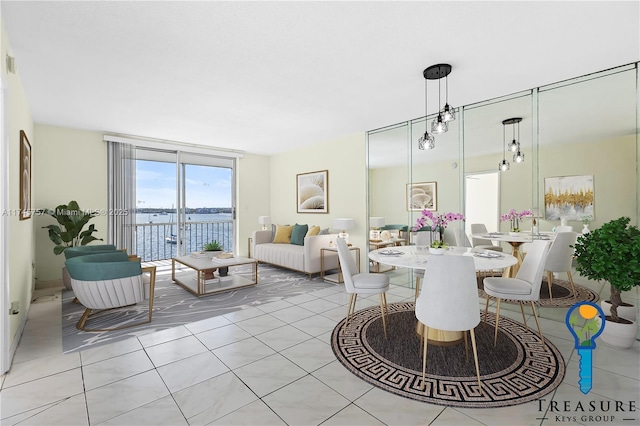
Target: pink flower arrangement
{"x":438,"y":223}
{"x":514,"y":217}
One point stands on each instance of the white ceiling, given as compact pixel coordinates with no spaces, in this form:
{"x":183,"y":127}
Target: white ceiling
{"x":267,"y":77}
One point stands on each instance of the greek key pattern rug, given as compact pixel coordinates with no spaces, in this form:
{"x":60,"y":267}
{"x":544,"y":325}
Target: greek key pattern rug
{"x":518,"y":370}
{"x":563,"y":297}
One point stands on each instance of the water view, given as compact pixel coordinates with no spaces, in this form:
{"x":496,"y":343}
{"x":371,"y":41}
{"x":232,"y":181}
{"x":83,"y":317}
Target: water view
{"x":157,"y":233}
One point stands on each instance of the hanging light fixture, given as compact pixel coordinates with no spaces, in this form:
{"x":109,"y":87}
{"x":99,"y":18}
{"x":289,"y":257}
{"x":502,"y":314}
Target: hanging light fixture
{"x":504,"y":165}
{"x":518,"y":157}
{"x":448,"y":112}
{"x":439,"y":124}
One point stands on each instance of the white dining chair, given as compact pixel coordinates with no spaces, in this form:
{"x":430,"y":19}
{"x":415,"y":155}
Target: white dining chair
{"x":560,"y":258}
{"x":449,"y":301}
{"x":525,"y":287}
{"x":482,"y":243}
{"x":461,"y":238}
{"x":361,"y":283}
{"x":423,"y":238}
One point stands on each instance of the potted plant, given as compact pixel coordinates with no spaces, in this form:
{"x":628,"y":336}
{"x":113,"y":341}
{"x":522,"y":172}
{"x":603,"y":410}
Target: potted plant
{"x":69,"y":231}
{"x":514,"y":217}
{"x":612,"y":253}
{"x":213,"y":248}
{"x":439,"y":223}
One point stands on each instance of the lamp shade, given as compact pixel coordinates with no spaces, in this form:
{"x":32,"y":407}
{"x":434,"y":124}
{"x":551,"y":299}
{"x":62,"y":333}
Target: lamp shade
{"x":264,"y":220}
{"x":376,"y":222}
{"x":344,"y":223}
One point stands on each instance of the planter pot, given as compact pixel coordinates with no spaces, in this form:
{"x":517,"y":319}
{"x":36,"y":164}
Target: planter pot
{"x":627,"y":312}
{"x":619,"y":335}
{"x":437,"y":251}
{"x":514,"y":234}
{"x":212,"y":254}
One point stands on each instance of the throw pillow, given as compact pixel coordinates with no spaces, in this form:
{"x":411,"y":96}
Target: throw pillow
{"x":314,"y":230}
{"x":298,"y":234}
{"x":324,"y":231}
{"x":283,"y":234}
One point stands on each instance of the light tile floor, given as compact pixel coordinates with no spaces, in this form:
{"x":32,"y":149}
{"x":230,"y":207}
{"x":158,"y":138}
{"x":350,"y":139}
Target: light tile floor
{"x":272,"y":365}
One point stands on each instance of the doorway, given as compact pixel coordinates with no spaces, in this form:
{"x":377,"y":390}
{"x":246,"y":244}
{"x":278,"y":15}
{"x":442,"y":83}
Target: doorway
{"x":482,"y":200}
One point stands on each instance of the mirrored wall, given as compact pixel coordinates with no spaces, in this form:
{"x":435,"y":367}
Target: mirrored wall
{"x":583,"y":127}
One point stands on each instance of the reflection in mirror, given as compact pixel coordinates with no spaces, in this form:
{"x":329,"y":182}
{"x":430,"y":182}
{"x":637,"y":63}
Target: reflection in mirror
{"x":588,"y":128}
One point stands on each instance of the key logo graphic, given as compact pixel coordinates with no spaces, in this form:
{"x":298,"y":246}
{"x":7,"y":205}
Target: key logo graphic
{"x":583,"y":323}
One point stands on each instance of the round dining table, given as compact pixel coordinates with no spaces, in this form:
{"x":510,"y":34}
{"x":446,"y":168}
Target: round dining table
{"x":416,"y":257}
{"x":515,"y":240}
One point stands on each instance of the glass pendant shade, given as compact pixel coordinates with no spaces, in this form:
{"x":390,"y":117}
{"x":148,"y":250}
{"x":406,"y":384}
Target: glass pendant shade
{"x":503,"y":166}
{"x":448,"y":113}
{"x":518,"y":157}
{"x":439,"y":126}
{"x":514,"y":146}
{"x":426,"y":141}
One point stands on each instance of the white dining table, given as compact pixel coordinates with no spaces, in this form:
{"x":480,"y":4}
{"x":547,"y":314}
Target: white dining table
{"x":416,"y":257}
{"x":515,"y":240}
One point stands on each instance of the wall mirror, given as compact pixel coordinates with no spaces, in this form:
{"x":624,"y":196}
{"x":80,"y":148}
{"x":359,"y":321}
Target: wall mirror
{"x":586,"y":126}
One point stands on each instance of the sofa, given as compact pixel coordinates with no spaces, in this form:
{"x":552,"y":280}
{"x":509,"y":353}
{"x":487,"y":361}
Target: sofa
{"x":303,"y":258}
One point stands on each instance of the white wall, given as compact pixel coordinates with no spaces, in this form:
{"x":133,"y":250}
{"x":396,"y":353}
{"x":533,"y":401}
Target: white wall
{"x":252,"y":196}
{"x":21,"y":232}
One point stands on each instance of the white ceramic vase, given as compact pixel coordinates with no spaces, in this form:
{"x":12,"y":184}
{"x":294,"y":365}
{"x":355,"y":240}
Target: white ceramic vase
{"x":437,"y":251}
{"x":585,"y":229}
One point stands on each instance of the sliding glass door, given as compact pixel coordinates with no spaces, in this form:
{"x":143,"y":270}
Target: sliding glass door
{"x":183,"y":201}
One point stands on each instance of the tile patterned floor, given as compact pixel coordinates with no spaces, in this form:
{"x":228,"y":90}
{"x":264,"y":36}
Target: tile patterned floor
{"x":267,"y":365}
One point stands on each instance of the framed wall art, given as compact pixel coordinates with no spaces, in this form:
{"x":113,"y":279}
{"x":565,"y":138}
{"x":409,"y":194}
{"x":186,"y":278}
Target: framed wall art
{"x":25,"y":177}
{"x":422,"y":196}
{"x":312,"y":192}
{"x":569,"y":197}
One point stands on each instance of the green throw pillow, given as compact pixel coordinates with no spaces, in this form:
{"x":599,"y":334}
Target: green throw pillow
{"x":298,"y":234}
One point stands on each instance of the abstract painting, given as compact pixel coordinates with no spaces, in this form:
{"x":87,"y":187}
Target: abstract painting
{"x":422,"y":196}
{"x":313,"y":192}
{"x":569,"y":197}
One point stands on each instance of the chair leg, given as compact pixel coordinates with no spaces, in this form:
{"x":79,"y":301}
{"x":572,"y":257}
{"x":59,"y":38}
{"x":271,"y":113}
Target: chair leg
{"x":573,"y":287}
{"x":535,"y":315}
{"x":83,"y":319}
{"x":550,"y":283}
{"x":524,"y":320}
{"x":475,"y":357}
{"x":415,"y":297}
{"x":383,"y":305}
{"x":486,"y":309}
{"x":425,"y":330}
{"x":350,"y":309}
{"x":466,"y":347}
{"x":495,"y":333}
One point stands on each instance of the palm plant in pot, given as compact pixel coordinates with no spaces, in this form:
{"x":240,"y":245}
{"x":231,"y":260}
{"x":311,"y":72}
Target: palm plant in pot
{"x":612,"y":253}
{"x":213,"y":248}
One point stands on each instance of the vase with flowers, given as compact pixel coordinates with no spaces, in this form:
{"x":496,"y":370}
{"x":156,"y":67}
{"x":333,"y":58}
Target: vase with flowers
{"x":586,"y":220}
{"x":436,"y":223}
{"x":514,"y":217}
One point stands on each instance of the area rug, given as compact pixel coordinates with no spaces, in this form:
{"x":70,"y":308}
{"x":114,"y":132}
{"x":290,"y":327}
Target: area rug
{"x":173,"y":306}
{"x":518,"y":370}
{"x":562,"y":294}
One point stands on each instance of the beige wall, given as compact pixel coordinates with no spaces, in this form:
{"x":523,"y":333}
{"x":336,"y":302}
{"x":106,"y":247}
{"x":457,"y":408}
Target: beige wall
{"x":344,"y":158}
{"x":611,"y":162}
{"x":21,"y":232}
{"x":252,"y":196}
{"x":71,"y":165}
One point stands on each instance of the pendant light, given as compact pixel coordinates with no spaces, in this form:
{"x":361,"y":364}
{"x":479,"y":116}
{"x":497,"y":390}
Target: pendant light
{"x":439,"y":124}
{"x":518,"y":157}
{"x":448,"y":112}
{"x":504,"y":165}
{"x":426,"y":141}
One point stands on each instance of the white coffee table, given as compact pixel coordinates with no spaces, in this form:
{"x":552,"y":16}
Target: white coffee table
{"x":189,"y":273}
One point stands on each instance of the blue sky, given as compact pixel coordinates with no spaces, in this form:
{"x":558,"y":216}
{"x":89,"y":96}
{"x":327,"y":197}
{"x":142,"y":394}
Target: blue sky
{"x":205,"y":186}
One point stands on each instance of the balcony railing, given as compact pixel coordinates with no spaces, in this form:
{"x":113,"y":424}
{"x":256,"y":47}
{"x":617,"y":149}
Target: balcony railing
{"x":158,"y":241}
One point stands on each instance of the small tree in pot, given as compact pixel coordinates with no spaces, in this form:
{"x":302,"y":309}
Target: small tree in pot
{"x":69,"y":231}
{"x":611,"y":253}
